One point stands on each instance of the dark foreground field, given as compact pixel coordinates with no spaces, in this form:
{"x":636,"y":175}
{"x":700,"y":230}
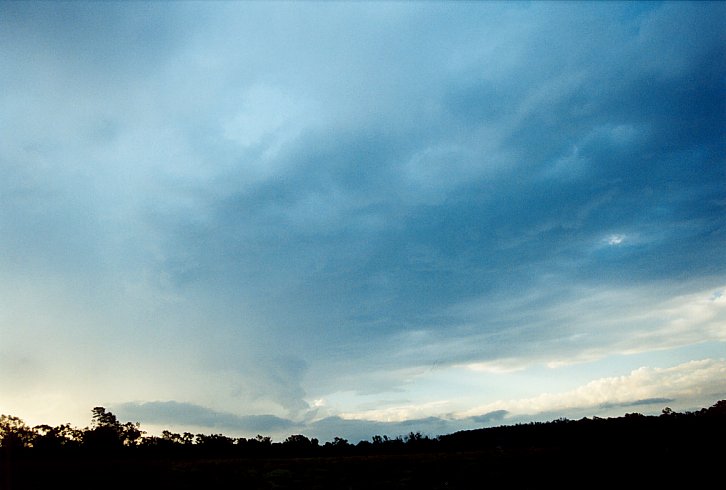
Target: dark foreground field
{"x":531,"y":468}
{"x":680,"y":451}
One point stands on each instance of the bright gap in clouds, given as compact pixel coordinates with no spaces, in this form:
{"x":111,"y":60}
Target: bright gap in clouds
{"x":347,"y":219}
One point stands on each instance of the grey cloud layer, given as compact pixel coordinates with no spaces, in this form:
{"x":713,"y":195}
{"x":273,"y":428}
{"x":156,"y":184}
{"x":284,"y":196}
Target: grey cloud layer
{"x":606,"y":146}
{"x":173,"y":413}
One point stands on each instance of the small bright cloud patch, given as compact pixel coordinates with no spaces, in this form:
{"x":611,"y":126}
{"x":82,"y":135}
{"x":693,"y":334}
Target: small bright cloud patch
{"x":616,"y":239}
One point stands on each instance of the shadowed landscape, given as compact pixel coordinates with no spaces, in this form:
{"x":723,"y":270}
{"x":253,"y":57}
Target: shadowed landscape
{"x":666,"y":451}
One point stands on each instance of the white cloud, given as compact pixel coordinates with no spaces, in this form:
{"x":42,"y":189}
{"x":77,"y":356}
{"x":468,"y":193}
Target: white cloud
{"x":499,"y":366}
{"x":691,"y":381}
{"x":401,"y":412}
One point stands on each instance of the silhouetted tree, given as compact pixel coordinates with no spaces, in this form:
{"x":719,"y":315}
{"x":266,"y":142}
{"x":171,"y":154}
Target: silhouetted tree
{"x":14,"y":434}
{"x":338,"y":446}
{"x":131,"y":433}
{"x":171,"y":437}
{"x":214,"y":443}
{"x":718,"y":409}
{"x":266,"y":440}
{"x":299,"y":445}
{"x":49,"y":438}
{"x":339,"y":442}
{"x":107,"y":432}
{"x":259,"y":446}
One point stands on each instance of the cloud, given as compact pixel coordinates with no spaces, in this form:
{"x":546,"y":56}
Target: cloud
{"x":691,"y":383}
{"x":171,"y":413}
{"x":686,"y":386}
{"x":637,"y":403}
{"x":580,"y":324}
{"x":615,"y":239}
{"x":488,"y":418}
{"x":301,"y":201}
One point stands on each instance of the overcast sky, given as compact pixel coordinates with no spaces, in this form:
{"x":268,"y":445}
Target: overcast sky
{"x":360,"y":218}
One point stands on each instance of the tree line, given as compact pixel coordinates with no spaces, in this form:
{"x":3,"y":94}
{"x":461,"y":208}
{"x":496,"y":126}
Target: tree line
{"x":107,"y":435}
{"x":632,"y":432}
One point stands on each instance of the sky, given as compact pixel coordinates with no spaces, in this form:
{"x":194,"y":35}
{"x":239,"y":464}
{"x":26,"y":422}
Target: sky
{"x":352,"y":218}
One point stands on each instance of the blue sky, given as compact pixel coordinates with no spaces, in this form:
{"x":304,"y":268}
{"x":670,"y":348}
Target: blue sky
{"x":347,"y":219}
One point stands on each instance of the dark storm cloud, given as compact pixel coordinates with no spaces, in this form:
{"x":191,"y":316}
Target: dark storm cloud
{"x":599,"y":142}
